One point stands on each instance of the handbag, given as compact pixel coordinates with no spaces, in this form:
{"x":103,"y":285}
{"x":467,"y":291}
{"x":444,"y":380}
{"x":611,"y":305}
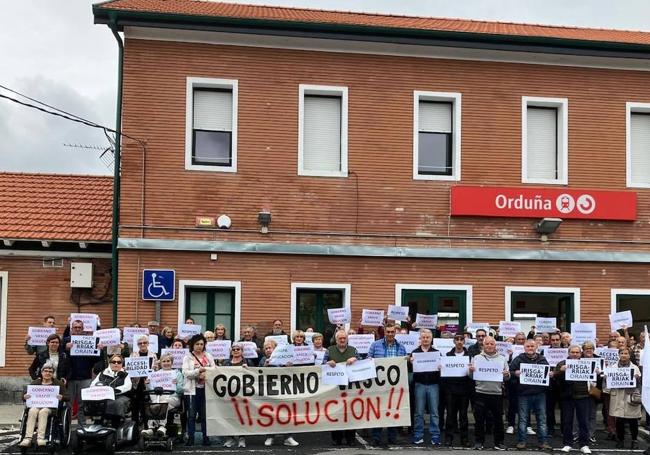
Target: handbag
{"x":635,"y":397}
{"x":594,"y":392}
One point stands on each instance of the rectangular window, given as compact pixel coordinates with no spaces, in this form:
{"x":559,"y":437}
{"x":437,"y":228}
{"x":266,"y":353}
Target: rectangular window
{"x":312,"y":310}
{"x":323,"y":131}
{"x":638,"y":145}
{"x":544,"y":138}
{"x":436,"y":139}
{"x":211,"y":125}
{"x":211,"y":306}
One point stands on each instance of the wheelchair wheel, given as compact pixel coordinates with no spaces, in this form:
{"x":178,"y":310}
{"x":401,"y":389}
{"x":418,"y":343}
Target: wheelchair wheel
{"x":66,"y":427}
{"x":76,"y":445}
{"x":170,"y":445}
{"x":110,"y":444}
{"x":141,"y":444}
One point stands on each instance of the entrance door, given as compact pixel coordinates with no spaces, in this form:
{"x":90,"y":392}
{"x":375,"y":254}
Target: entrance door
{"x":450,"y":306}
{"x":211,"y":306}
{"x":311,"y":311}
{"x":527,"y":305}
{"x":639,"y":305}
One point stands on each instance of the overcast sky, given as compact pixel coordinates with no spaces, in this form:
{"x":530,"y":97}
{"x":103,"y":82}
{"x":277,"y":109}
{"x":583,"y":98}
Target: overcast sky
{"x":52,"y":51}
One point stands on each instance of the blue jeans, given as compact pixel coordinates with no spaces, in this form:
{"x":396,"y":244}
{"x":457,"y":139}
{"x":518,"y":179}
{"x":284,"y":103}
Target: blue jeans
{"x":426,"y":395}
{"x":195,"y":404}
{"x":536,"y":404}
{"x":376,"y":435}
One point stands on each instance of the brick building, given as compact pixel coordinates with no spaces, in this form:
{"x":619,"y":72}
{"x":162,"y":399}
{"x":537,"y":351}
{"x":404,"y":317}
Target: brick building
{"x":366,"y":160}
{"x":51,"y":225}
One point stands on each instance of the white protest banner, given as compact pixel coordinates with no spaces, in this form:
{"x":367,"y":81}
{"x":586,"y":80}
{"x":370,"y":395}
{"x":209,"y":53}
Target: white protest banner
{"x":409,"y":340}
{"x":583,"y":331}
{"x":153,"y":343}
{"x":620,"y":378}
{"x":108,"y":337}
{"x":281,"y":355}
{"x":373,"y":318}
{"x":166,"y":379}
{"x":504,"y":348}
{"x":470,"y":342}
{"x":336,"y":375}
{"x":137,"y":367}
{"x":177,"y":354}
{"x":517,"y":349}
{"x":398,"y":313}
{"x":548,"y":325}
{"x":454,"y":367}
{"x":361,"y":342}
{"x":38,"y":335}
{"x":188,"y":330}
{"x":84,"y":345}
{"x":42,"y":396}
{"x":581,"y":370}
{"x":534,"y":374}
{"x":486,"y":370}
{"x":443,"y":345}
{"x":319,"y":356}
{"x":555,"y":355}
{"x":129,"y":334}
{"x":89,"y":320}
{"x":620,"y":320}
{"x":219,"y":349}
{"x":294,"y":400}
{"x":303,"y":355}
{"x":472,"y":327}
{"x":250,"y":349}
{"x":609,"y":355}
{"x":98,"y":393}
{"x":339,"y":315}
{"x":426,"y":321}
{"x":509,"y":329}
{"x":279,"y":339}
{"x":309,"y":338}
{"x":361,"y":370}
{"x":426,"y":361}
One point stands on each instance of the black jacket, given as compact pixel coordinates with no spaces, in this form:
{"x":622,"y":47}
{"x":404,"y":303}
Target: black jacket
{"x":457,"y":386}
{"x":526,"y":389}
{"x":63,"y":370}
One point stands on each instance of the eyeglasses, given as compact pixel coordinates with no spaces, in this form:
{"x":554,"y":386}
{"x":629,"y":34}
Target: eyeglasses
{"x":236,"y":349}
{"x":143,"y":342}
{"x":76,"y":327}
{"x":116,"y":362}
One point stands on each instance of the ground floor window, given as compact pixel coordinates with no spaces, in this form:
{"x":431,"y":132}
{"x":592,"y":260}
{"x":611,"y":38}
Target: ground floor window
{"x":211,"y":306}
{"x":527,"y":303}
{"x":311,"y":311}
{"x":449,"y":304}
{"x":635,"y":300}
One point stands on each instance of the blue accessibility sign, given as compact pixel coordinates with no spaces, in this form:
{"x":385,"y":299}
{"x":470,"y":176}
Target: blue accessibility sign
{"x":158,"y":284}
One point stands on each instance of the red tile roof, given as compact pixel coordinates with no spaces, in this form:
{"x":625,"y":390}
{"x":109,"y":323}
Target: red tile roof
{"x":55,"y":207}
{"x":314,"y":16}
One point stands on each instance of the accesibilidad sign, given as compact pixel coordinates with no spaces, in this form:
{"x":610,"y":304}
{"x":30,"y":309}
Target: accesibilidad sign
{"x":527,"y":202}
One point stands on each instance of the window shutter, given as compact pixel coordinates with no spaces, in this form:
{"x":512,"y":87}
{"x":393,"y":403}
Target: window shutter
{"x":640,"y":165}
{"x":541,"y":152}
{"x":434,"y":117}
{"x":213,"y":110}
{"x":322,"y":133}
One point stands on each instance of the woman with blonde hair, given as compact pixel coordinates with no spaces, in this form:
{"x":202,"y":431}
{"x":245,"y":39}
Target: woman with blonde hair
{"x":625,"y":404}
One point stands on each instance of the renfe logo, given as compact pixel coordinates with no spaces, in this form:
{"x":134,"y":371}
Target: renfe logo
{"x":542,"y":202}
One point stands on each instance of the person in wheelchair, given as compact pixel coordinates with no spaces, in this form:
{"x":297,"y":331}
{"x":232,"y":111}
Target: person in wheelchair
{"x":157,"y":396}
{"x":54,"y":355}
{"x":38,"y":417}
{"x":114,"y":376}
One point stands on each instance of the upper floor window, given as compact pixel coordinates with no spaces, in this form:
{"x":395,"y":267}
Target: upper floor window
{"x":544,"y":140}
{"x":211,"y":123}
{"x":436,"y":138}
{"x":638,"y":145}
{"x":323,"y":131}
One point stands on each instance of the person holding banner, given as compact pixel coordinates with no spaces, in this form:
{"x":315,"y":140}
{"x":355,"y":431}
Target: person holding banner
{"x":623,"y":404}
{"x":277,"y":330}
{"x":194,"y":367}
{"x":48,"y":321}
{"x":220,"y":332}
{"x":237,"y":360}
{"x":298,"y":338}
{"x":574,"y":399}
{"x":81,"y":367}
{"x":317,"y":346}
{"x":115,"y":377}
{"x":59,"y":359}
{"x":142,"y":345}
{"x":456,"y":391}
{"x":166,"y":338}
{"x":37,"y":417}
{"x":427,"y":392}
{"x":511,"y":389}
{"x":173,"y":400}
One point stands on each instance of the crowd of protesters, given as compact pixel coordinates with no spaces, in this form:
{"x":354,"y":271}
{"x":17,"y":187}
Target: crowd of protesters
{"x":499,"y":407}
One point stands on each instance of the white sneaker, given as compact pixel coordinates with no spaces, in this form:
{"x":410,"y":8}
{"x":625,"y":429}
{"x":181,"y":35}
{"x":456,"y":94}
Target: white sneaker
{"x":230,"y":442}
{"x":268,"y":442}
{"x":529,"y":430}
{"x":242,"y":442}
{"x":510,"y":430}
{"x":161,"y":432}
{"x":290,"y":442}
{"x":585,"y":449}
{"x":147,"y":434}
{"x":26,"y":442}
{"x":566,"y":449}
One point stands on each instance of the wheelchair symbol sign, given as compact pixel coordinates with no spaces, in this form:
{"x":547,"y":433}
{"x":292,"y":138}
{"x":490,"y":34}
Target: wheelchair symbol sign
{"x":158,"y":284}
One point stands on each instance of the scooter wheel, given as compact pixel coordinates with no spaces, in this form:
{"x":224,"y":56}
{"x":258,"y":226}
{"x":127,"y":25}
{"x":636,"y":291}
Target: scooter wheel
{"x":75,"y":444}
{"x":170,"y":445}
{"x":141,"y":444}
{"x":110,"y":444}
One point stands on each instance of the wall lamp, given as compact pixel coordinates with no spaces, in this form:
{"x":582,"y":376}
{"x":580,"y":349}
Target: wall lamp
{"x":264,"y":218}
{"x":547,"y":226}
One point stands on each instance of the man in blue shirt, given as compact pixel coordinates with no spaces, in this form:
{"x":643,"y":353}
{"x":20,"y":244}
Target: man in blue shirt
{"x":386,"y":347}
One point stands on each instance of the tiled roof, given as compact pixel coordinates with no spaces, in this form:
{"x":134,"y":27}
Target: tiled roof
{"x":315,"y":16}
{"x":55,"y":207}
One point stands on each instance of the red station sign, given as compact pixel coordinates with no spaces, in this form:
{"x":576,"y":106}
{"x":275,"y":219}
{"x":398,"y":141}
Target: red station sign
{"x":543,"y":203}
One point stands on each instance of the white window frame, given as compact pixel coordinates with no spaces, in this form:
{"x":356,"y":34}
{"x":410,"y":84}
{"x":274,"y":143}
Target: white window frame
{"x":204,"y":82}
{"x":442,"y":97}
{"x":562,"y":106}
{"x":469,"y":308}
{"x":630,"y":108}
{"x":4,"y":304}
{"x":615,"y":292}
{"x":236,"y":285}
{"x":345,"y":287}
{"x":324,"y":90}
{"x":510,"y":289}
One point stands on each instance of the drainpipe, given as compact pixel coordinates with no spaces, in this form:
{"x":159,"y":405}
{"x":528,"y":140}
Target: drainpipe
{"x":116,"y":170}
